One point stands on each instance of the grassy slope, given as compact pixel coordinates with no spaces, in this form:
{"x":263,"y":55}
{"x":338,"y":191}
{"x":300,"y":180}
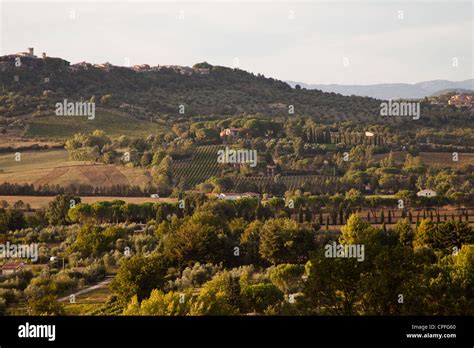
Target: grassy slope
{"x":52,"y":167}
{"x":113,"y":123}
{"x":31,"y":160}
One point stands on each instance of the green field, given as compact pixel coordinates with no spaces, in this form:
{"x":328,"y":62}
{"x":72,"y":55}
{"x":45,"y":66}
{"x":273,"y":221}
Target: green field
{"x":113,"y":123}
{"x":33,"y":160}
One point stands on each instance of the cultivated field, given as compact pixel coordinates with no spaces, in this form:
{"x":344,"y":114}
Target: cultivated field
{"x":93,"y":175}
{"x":446,"y":159}
{"x":33,"y":160}
{"x":52,"y":167}
{"x":113,"y":123}
{"x":200,"y":167}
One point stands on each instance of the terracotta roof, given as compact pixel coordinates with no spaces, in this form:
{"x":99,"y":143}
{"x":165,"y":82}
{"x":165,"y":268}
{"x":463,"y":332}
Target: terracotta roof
{"x":12,"y":265}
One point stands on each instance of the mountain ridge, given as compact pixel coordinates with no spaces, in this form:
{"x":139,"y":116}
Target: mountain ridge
{"x":391,"y":90}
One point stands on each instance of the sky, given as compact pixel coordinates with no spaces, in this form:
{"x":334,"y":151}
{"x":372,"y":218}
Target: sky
{"x":316,"y":42}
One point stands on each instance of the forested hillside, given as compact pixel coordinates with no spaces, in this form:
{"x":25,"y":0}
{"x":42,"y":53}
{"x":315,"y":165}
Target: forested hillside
{"x":37,"y":84}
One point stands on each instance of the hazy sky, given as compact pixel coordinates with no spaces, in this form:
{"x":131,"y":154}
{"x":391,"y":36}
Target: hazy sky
{"x":313,"y":42}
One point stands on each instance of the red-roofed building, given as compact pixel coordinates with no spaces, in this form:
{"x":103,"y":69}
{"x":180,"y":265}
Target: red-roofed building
{"x":11,"y":267}
{"x":231,"y":133}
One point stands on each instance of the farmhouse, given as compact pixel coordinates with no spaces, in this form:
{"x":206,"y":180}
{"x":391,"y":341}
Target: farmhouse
{"x":426,"y":193}
{"x":232,"y":133}
{"x":12,"y":267}
{"x":232,"y":196}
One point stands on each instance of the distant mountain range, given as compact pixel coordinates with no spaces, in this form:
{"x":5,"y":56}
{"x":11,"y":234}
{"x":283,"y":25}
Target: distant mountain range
{"x":394,"y":90}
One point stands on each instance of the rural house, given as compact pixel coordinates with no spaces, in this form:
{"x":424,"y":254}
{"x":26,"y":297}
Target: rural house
{"x":232,"y":196}
{"x":12,"y":267}
{"x":426,"y":193}
{"x":231,"y":133}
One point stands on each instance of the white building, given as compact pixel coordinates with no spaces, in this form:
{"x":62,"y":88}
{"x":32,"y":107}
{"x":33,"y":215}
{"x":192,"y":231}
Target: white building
{"x":232,"y":196}
{"x":426,"y":193}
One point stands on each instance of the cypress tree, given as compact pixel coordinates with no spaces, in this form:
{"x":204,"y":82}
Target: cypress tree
{"x":257,"y":211}
{"x":306,"y":215}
